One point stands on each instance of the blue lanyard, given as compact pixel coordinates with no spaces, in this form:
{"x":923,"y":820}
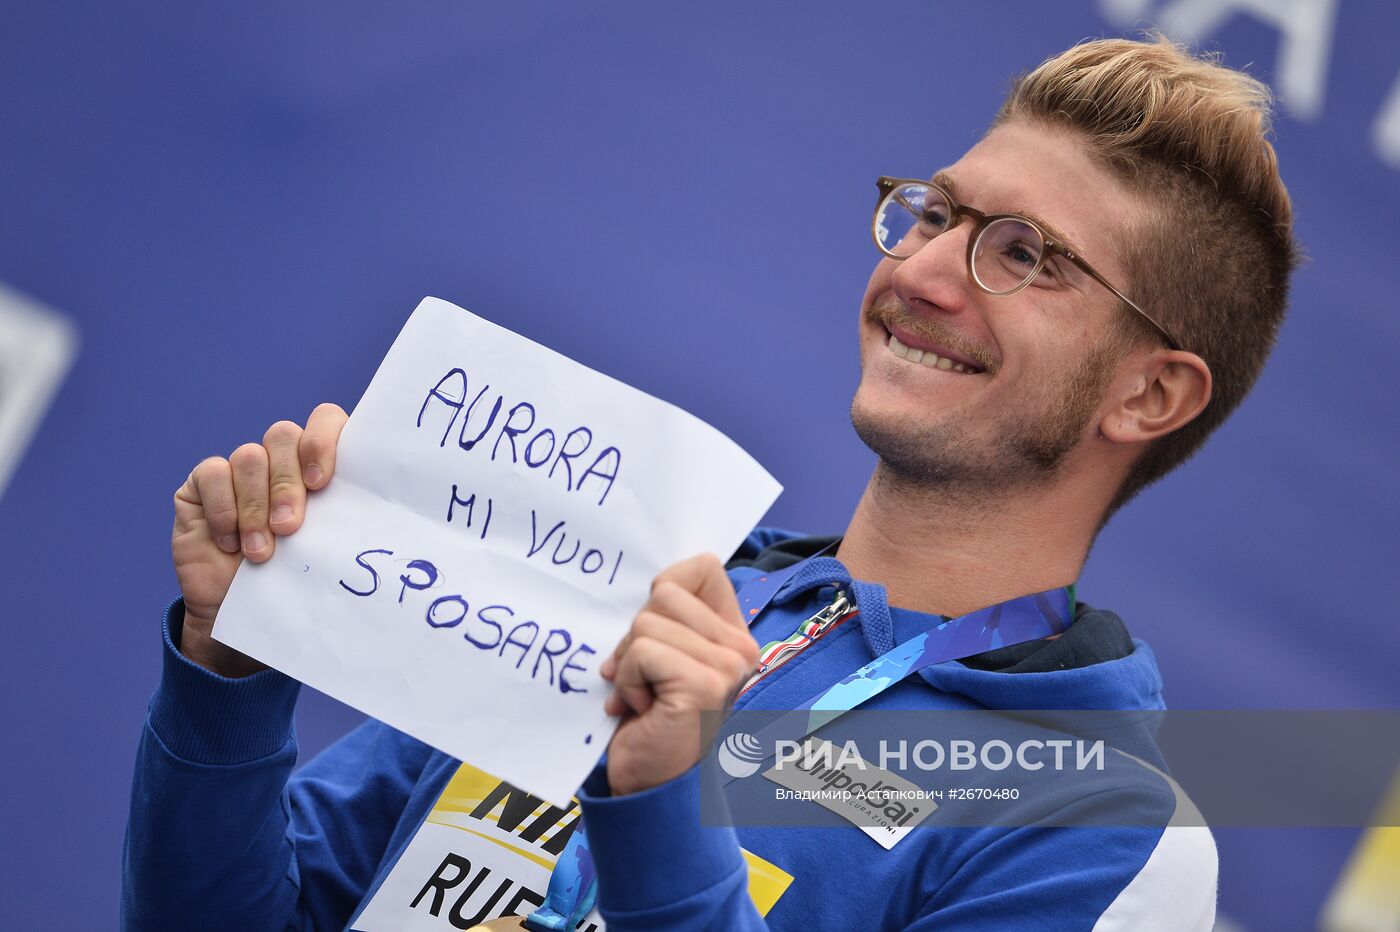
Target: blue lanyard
{"x":573,"y":885}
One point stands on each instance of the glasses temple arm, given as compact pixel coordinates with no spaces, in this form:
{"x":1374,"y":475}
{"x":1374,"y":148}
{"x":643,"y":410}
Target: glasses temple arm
{"x":905,"y":201}
{"x":1171,"y":340}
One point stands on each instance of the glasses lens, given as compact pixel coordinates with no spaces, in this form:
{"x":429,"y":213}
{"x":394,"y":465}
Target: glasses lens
{"x":908,"y":217}
{"x":1006,"y":255}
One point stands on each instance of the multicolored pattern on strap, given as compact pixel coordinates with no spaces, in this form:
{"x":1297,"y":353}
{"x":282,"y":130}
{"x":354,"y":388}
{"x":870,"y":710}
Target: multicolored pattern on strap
{"x":775,"y":653}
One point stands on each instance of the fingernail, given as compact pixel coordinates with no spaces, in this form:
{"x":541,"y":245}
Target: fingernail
{"x":606,"y":670}
{"x":255,"y":542}
{"x":228,"y":543}
{"x":312,"y":474}
{"x":281,"y":514}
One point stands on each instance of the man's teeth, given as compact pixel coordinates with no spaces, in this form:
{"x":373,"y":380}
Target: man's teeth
{"x":923,"y":357}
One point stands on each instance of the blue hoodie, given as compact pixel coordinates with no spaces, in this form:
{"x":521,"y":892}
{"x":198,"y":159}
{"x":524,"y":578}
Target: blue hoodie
{"x":223,"y":835}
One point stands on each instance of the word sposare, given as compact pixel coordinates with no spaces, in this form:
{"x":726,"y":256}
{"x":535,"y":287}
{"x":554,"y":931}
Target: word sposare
{"x":493,"y":628}
{"x":540,"y":447}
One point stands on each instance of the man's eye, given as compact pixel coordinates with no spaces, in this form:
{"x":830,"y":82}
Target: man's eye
{"x":1020,"y":254}
{"x":935,"y":217}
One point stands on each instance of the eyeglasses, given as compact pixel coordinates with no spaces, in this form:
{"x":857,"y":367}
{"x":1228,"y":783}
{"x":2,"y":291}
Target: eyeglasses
{"x":1005,"y":252}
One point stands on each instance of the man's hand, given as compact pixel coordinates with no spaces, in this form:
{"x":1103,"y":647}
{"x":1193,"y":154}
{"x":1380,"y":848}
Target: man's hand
{"x":229,"y":509}
{"x":687,"y":651}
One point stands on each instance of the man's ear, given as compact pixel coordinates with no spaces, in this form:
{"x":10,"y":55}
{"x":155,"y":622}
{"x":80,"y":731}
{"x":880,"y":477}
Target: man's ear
{"x":1168,"y":389}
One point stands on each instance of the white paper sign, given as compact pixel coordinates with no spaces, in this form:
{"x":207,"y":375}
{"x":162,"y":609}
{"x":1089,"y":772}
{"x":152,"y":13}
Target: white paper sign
{"x":497,"y":515}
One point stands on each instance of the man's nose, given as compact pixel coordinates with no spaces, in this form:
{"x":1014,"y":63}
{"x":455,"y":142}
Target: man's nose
{"x":937,"y":271}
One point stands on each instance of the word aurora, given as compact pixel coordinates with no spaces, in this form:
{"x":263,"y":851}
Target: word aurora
{"x":537,"y":447}
{"x":961,"y":754}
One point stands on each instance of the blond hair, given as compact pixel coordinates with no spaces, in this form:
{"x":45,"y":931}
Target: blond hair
{"x":1212,"y":264}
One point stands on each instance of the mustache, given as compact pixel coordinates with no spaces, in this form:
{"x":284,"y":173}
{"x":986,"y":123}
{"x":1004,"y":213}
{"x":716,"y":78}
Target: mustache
{"x":889,"y":311}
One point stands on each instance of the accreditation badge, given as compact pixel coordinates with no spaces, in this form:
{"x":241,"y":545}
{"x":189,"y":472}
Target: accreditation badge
{"x":485,"y":852}
{"x":880,"y":803}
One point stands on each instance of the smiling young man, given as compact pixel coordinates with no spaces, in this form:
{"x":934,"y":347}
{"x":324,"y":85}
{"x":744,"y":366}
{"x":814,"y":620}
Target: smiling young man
{"x":1006,"y":385}
{"x":1059,"y":317}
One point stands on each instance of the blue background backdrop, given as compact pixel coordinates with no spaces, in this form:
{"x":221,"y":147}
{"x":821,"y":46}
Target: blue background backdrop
{"x":238,"y":205}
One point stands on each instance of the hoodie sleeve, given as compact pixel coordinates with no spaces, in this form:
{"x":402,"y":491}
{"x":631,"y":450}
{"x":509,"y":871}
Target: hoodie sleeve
{"x":221,"y":835}
{"x":658,"y":867}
